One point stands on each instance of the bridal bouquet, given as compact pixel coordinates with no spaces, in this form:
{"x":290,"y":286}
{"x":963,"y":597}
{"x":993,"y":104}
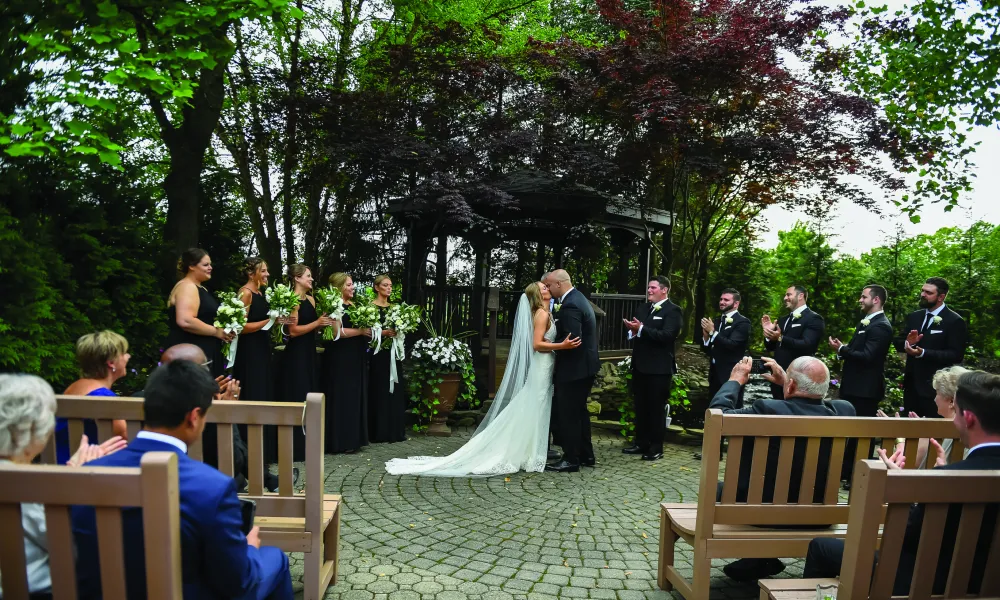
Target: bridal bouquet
{"x":330,"y":303}
{"x":402,"y":318}
{"x":364,"y":313}
{"x":231,"y":317}
{"x":283,"y":301}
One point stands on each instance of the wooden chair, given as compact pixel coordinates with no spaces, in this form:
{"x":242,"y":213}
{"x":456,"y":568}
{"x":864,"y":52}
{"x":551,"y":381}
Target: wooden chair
{"x":306,"y":522}
{"x":879,"y":491}
{"x":740,"y":529}
{"x":153,"y":487}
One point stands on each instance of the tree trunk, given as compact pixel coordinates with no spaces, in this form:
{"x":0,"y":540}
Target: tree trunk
{"x":291,"y":146}
{"x":540,"y":261}
{"x":441,"y":277}
{"x":519,"y":265}
{"x":700,"y":297}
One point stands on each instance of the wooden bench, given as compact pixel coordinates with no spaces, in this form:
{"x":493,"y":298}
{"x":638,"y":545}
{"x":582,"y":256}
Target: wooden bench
{"x":307,"y":522}
{"x":877,"y":492}
{"x":739,"y":529}
{"x":153,"y":487}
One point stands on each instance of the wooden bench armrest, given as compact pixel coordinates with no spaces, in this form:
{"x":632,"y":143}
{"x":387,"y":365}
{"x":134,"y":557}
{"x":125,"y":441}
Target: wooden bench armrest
{"x":792,"y":589}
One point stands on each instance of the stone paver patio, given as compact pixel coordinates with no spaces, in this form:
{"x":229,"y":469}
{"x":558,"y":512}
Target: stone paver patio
{"x":536,"y":536}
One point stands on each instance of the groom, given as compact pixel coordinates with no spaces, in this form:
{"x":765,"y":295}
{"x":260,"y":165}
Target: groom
{"x":574,"y":372}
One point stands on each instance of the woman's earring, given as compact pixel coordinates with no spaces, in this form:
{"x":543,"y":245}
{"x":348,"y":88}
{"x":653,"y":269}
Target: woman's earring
{"x":112,"y":369}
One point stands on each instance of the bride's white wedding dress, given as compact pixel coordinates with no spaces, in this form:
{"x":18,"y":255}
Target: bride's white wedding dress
{"x":515,"y":433}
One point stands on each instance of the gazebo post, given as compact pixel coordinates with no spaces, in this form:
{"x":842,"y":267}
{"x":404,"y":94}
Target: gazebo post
{"x":559,"y":257}
{"x":540,"y":260}
{"x":644,"y":274}
{"x":480,"y":283}
{"x":417,"y":245}
{"x":621,"y":240}
{"x":441,"y":276}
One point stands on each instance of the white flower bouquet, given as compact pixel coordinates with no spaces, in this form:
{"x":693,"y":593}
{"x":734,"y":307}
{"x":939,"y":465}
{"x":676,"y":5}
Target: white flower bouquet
{"x":282,"y":301}
{"x":330,"y":303}
{"x":402,"y":318}
{"x":364,"y":313}
{"x":231,"y":317}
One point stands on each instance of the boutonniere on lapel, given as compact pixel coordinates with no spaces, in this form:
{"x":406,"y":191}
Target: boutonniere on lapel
{"x":729,"y":320}
{"x":556,"y":307}
{"x":936,"y":320}
{"x":866,"y":322}
{"x":795,"y":316}
{"x":656,"y":307}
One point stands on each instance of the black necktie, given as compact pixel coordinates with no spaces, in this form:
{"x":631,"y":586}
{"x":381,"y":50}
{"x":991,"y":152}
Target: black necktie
{"x":927,"y":322}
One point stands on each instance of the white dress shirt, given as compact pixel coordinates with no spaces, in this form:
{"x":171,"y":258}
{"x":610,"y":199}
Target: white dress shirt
{"x":161,"y":437}
{"x":639,"y":332}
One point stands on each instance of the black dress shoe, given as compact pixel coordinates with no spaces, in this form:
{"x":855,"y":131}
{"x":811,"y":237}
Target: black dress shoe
{"x":553,"y":456}
{"x":633,"y":449}
{"x":655,"y":456}
{"x":563,"y":467}
{"x":697,"y":455}
{"x":588,"y":462}
{"x":752,"y":569}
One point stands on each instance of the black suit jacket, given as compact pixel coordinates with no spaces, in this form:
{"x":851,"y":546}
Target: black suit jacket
{"x":653,"y":350}
{"x":726,"y":399}
{"x":799,"y":337}
{"x":863,"y":375}
{"x":575,"y":316}
{"x":943,"y":344}
{"x":730,"y":345}
{"x":987,"y":458}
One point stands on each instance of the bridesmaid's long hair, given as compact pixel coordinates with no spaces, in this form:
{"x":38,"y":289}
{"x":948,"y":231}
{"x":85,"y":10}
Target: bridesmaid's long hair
{"x":534,"y":294}
{"x":190,"y":258}
{"x":297,"y":270}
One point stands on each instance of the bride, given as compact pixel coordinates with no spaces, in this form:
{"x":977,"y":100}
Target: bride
{"x":514,"y":434}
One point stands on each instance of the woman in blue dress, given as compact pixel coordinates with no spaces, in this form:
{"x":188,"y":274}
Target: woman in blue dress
{"x":103,"y":358}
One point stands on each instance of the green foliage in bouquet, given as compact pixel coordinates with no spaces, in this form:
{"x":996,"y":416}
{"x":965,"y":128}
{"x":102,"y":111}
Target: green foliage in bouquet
{"x":330,"y":303}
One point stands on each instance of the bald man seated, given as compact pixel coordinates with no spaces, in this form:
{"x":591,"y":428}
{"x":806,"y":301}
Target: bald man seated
{"x":805,"y":385}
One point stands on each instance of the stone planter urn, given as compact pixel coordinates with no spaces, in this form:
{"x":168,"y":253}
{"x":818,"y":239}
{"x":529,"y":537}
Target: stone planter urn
{"x":449,"y":394}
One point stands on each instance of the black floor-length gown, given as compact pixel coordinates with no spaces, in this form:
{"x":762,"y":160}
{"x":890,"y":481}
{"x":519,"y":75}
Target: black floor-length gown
{"x":253,"y":370}
{"x":385,"y":408}
{"x":210,"y":345}
{"x":298,"y":371}
{"x":344,"y":380}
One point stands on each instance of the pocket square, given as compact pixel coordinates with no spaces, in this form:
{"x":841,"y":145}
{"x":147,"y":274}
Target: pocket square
{"x":797,"y":325}
{"x":937,"y":331}
{"x":657,"y":318}
{"x":860,"y":332}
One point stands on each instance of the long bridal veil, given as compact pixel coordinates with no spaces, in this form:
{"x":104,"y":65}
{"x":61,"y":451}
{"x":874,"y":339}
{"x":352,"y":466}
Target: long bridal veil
{"x":518,"y":362}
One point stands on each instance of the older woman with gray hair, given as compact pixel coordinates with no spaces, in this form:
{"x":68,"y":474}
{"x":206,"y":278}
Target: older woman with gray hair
{"x":945,"y":383}
{"x":27,"y":419}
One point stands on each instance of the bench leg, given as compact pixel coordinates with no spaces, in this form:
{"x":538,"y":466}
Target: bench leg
{"x":331,"y":543}
{"x":666,"y":559}
{"x":311,"y":576}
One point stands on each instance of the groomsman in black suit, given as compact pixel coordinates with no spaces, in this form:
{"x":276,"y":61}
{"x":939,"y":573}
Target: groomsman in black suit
{"x":934,"y":337}
{"x":725,"y":341}
{"x":653,"y":332}
{"x":862,"y":381}
{"x":796,"y":334}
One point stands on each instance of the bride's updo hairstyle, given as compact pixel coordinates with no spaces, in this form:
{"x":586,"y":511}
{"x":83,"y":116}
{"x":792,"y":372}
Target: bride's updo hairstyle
{"x":534,"y":294}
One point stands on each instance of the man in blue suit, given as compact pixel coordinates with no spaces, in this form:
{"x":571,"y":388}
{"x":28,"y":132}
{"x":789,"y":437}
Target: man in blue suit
{"x":218,"y":560}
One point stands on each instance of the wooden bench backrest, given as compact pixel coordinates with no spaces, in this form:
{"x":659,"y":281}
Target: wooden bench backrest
{"x":103,"y":410}
{"x":762,"y":429}
{"x":876,"y":487}
{"x":286,"y":416}
{"x":153,"y":487}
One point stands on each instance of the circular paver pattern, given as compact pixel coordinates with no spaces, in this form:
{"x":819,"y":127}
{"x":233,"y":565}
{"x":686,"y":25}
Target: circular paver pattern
{"x":536,"y":536}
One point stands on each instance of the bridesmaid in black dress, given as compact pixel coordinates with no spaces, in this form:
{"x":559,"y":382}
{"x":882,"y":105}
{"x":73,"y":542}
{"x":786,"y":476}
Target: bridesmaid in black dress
{"x":192,"y":310}
{"x":385,"y":408}
{"x":345,"y":380}
{"x":299,"y":360}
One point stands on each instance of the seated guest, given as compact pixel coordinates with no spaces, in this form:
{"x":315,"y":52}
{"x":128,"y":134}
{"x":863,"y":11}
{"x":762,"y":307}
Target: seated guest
{"x":804,"y":386}
{"x":945,"y":383}
{"x":27,"y":418}
{"x":218,"y":560}
{"x":103,"y":358}
{"x":977,"y":418}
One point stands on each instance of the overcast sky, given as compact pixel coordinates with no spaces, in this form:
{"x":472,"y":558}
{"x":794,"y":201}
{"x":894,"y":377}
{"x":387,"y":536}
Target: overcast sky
{"x":852,"y":228}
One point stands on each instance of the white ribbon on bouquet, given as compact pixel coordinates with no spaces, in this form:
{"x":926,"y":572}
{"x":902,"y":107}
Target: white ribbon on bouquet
{"x":396,"y":352}
{"x":231,"y":357}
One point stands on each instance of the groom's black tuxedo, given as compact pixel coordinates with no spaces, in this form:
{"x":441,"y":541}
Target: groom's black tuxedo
{"x":799,"y":337}
{"x":944,"y":345}
{"x":727,"y":348}
{"x":574,"y":375}
{"x":653,"y":369}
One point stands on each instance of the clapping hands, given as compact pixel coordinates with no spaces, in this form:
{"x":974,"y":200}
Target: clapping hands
{"x":707,"y":328}
{"x":88,"y":452}
{"x":771,"y":330}
{"x":632,"y":325}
